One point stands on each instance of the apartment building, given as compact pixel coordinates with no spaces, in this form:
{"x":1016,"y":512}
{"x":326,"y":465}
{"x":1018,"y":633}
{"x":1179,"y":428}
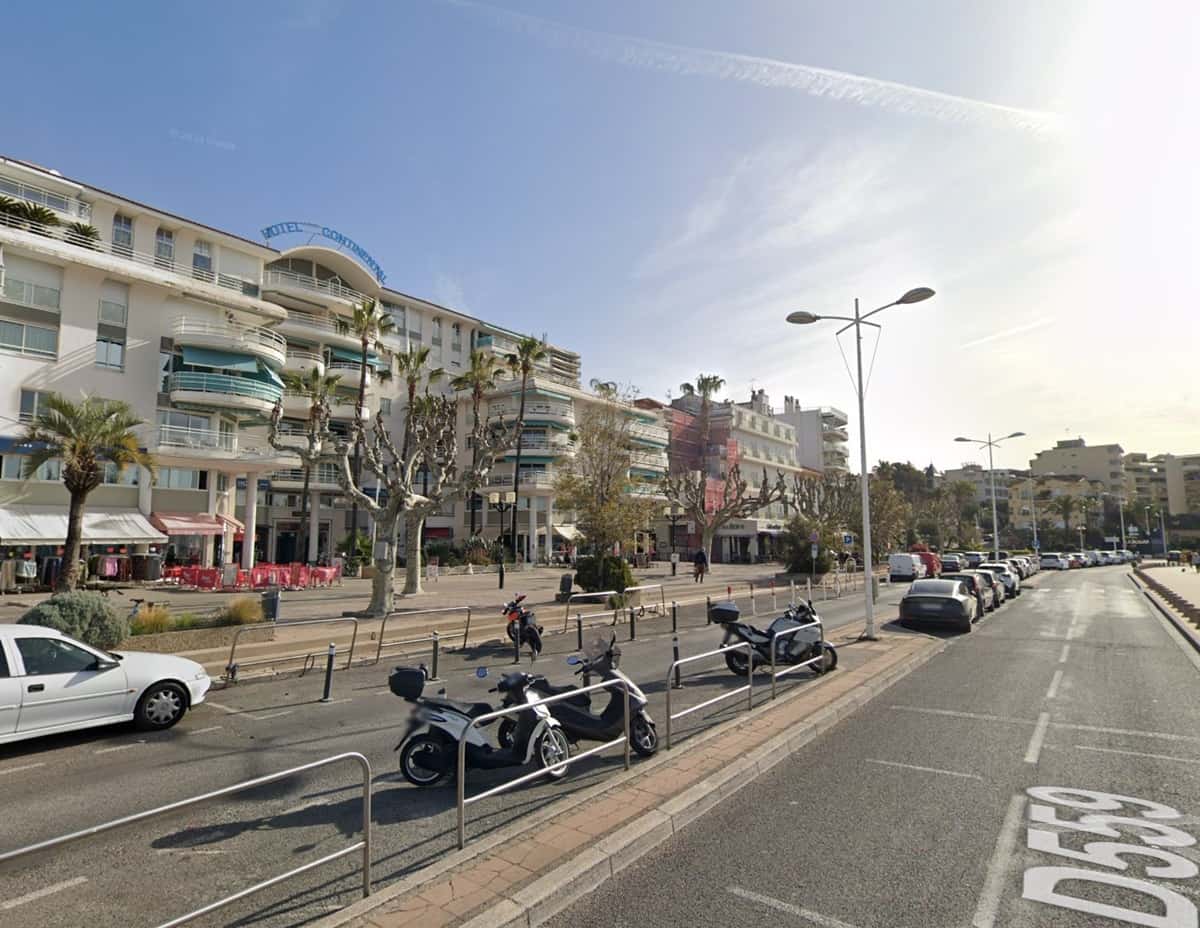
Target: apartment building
{"x":193,"y":327}
{"x":1183,"y":483}
{"x":981,"y":479}
{"x":821,"y":436}
{"x":1031,"y":496}
{"x":1076,"y":458}
{"x":1146,"y":479}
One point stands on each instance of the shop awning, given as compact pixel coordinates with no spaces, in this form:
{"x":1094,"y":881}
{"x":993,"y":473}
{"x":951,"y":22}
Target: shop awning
{"x":344,"y":354}
{"x":224,"y":360}
{"x":193,"y":523}
{"x":47,"y":525}
{"x":569,"y":532}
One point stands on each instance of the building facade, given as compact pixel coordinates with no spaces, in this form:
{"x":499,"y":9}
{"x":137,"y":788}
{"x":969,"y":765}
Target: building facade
{"x":981,"y":479}
{"x":821,"y":436}
{"x":1076,"y":458}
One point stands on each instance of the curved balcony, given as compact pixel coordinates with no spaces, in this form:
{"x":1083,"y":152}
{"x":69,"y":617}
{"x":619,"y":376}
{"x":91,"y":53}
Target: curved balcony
{"x":350,"y":372}
{"x":318,"y":327}
{"x":297,"y":405}
{"x":302,"y":285}
{"x":539,"y":482}
{"x":535,"y":411}
{"x":322,"y":477}
{"x":187,"y":447}
{"x":224,"y":391}
{"x":265,"y":344}
{"x":299,"y":361}
{"x":648,"y":434}
{"x":537,"y":445}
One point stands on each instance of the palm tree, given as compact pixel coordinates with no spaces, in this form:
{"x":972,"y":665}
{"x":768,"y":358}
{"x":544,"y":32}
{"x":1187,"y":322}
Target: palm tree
{"x":1064,"y":505}
{"x":35,"y":217}
{"x":84,"y":436}
{"x":479,"y":378}
{"x":528,"y":352}
{"x":8,"y":210}
{"x":707,"y":385}
{"x":317,"y":387}
{"x":369,"y":324}
{"x":83,"y":234}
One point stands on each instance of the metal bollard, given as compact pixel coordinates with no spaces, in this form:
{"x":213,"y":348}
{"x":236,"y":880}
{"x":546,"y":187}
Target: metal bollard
{"x":632,"y":623}
{"x":329,"y":672}
{"x":808,"y":582}
{"x":707,"y":610}
{"x":675,"y":658}
{"x":792,"y":584}
{"x":674,"y":616}
{"x":729,"y":592}
{"x":774,"y":599}
{"x":753,"y":602}
{"x":516,"y":641}
{"x":578,"y":632}
{"x":437,"y":647}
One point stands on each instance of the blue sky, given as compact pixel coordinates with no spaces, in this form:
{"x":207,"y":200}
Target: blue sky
{"x":545,"y":165}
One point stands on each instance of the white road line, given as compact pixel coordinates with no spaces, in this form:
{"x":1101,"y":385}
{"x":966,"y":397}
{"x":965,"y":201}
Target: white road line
{"x":1034,"y":751}
{"x":244,"y":714}
{"x":1054,"y":682}
{"x":19,"y":769}
{"x":382,"y":693}
{"x":39,"y":893}
{"x":217,"y":705}
{"x":997,"y":872}
{"x":1182,"y":760}
{"x":270,"y":715}
{"x":120,"y":747}
{"x":1062,"y":658}
{"x":334,"y":702}
{"x":825,"y":921}
{"x":1100,"y":729}
{"x":949,"y":773}
{"x":952,"y":713}
{"x":205,"y":731}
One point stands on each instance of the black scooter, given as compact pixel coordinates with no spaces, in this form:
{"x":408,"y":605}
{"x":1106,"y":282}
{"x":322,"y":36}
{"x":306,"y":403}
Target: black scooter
{"x":575,"y":715}
{"x":806,"y":645}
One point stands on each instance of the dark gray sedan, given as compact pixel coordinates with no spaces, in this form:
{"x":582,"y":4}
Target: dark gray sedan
{"x":948,"y":601}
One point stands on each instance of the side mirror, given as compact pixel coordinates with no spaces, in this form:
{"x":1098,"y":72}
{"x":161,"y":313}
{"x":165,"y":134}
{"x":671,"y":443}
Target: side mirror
{"x":101,"y":666}
{"x":481,"y":672}
{"x":574,"y":659}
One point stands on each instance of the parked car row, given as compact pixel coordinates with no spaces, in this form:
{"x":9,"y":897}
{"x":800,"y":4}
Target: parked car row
{"x":961,"y":596}
{"x":1051,"y":560}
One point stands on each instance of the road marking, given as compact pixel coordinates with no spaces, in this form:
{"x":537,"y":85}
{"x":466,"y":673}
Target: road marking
{"x":825,"y":921}
{"x":248,"y":715}
{"x":1035,"y":742}
{"x":1062,"y":658}
{"x":949,"y":773}
{"x":997,"y":871}
{"x":205,"y":731}
{"x":1054,"y":682}
{"x":382,"y":693}
{"x":1161,"y":735}
{"x":1182,"y":760}
{"x":19,"y":769}
{"x":270,"y":715}
{"x":952,"y":713}
{"x":334,"y":702}
{"x":120,"y":747}
{"x":217,"y":705}
{"x":39,"y":893}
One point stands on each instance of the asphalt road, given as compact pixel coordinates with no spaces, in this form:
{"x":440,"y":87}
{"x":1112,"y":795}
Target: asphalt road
{"x":917,"y":810}
{"x":150,"y":872}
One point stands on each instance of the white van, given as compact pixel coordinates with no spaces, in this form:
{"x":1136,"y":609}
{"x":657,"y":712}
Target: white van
{"x":904,"y":568}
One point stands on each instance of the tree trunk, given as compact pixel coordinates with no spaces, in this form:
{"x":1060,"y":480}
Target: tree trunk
{"x":358,"y":410}
{"x":414,"y":524}
{"x":517,"y":465}
{"x":69,"y":577}
{"x":475,"y":397}
{"x":706,"y":540}
{"x":303,"y":552}
{"x":383,"y":584}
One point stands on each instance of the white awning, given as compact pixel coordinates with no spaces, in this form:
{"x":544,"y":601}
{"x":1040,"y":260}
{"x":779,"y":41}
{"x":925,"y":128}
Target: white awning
{"x":569,"y":532}
{"x":47,"y":525}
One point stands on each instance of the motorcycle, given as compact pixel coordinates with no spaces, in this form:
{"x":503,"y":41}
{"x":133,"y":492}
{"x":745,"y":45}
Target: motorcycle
{"x":523,"y":622}
{"x":429,"y":748}
{"x":580,"y":723}
{"x":806,"y":645}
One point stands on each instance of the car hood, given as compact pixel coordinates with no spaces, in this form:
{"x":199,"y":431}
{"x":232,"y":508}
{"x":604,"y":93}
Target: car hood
{"x":148,"y":666}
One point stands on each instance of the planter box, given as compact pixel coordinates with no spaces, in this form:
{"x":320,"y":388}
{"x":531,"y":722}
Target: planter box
{"x":197,"y":639}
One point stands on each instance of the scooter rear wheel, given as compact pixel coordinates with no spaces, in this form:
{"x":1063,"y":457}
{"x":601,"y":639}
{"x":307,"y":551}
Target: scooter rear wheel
{"x":643,"y":736}
{"x":736,"y":662}
{"x":419,"y":751}
{"x":504,"y":734}
{"x":829,"y":653}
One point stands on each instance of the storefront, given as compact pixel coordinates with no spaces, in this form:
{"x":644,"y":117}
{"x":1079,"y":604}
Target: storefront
{"x":195,"y":538}
{"x":747,"y":541}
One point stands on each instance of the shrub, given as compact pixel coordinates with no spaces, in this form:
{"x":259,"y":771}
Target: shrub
{"x":245,"y":610}
{"x":151,"y":620}
{"x":610,"y":573}
{"x":89,"y":617}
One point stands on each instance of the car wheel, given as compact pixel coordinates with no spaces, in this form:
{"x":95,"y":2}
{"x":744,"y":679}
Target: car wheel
{"x":161,"y":706}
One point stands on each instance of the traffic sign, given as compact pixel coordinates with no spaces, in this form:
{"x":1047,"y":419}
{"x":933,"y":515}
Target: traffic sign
{"x":814,"y":553}
{"x":847,"y":538}
{"x":814,"y":536}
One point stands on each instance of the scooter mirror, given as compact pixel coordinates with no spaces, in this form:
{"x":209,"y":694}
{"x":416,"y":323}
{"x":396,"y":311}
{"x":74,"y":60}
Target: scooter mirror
{"x":481,"y":672}
{"x":574,"y":659}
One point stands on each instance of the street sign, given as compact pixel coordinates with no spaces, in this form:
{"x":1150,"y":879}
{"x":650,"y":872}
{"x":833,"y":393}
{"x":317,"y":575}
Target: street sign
{"x":814,"y":553}
{"x":1111,"y":539}
{"x":847,"y":538}
{"x":814,"y":537}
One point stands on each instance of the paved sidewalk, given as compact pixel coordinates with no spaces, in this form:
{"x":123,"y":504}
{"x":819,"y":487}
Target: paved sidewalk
{"x":525,"y":874}
{"x":1184,"y":582}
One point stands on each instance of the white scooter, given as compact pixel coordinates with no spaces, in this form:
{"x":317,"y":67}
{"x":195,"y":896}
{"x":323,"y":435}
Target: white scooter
{"x":429,"y":748}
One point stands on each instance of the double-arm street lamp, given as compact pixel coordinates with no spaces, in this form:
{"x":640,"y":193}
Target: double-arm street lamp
{"x":856,"y":322}
{"x":990,"y":444}
{"x":502,"y":503}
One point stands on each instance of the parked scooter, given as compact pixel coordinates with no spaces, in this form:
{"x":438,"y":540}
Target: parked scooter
{"x":602,"y":656}
{"x":523,"y":622}
{"x":429,"y":748}
{"x":806,"y":645}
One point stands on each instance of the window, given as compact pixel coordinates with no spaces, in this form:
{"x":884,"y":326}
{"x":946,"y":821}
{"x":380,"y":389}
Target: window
{"x":456,"y":337}
{"x":43,"y":656}
{"x":164,"y":248}
{"x":202,"y":264}
{"x":14,"y":465}
{"x":122,"y":235}
{"x":31,"y":404}
{"x":396,"y":311}
{"x":436,"y":339}
{"x":28,"y":339}
{"x":166,"y":360}
{"x":14,"y":469}
{"x":110,"y":352}
{"x":128,"y":477}
{"x":385,"y":406}
{"x":3,"y":664}
{"x":181,"y":478}
{"x":222,"y":483}
{"x":182,"y":420}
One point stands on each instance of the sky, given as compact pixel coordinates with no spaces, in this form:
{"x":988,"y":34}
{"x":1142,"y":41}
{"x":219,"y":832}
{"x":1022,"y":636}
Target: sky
{"x":656,"y":185}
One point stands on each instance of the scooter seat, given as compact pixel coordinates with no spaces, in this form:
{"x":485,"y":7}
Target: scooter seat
{"x":469,"y":709}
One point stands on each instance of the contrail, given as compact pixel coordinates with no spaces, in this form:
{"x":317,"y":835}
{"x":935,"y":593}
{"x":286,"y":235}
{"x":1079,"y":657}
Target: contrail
{"x":635,"y":52}
{"x":1008,"y":333}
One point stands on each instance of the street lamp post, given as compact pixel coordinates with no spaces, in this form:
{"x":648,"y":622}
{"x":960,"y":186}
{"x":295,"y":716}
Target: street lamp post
{"x":1149,"y":536}
{"x":502,"y":503}
{"x":1162,"y":528}
{"x":1033,"y":513}
{"x":990,"y":444}
{"x":856,"y":322}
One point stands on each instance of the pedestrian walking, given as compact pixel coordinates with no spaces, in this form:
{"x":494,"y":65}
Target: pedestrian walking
{"x":699,"y":566}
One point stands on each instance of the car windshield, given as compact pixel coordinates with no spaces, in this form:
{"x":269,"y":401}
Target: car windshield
{"x":933,"y":588}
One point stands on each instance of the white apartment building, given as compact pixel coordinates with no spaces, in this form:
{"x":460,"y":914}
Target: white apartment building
{"x":981,"y":479}
{"x":821,"y":436}
{"x":1076,"y":458}
{"x":193,"y":327}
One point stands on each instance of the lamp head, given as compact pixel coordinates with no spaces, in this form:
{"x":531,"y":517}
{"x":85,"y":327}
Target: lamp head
{"x":960,"y":438}
{"x":800,"y":317}
{"x":1015,"y":435}
{"x":916,"y":295}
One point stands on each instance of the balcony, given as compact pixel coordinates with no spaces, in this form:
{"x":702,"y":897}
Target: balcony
{"x":298,"y":405}
{"x":201,"y":448}
{"x":266,"y":345}
{"x":324,"y":476}
{"x":648,"y":434}
{"x":832,"y":416}
{"x":282,"y":281}
{"x":534,"y":410}
{"x":531,"y":444}
{"x":224,"y":391}
{"x":299,"y":361}
{"x":530,"y":480}
{"x":321,"y":327}
{"x":648,"y":460}
{"x":350,"y":372}
{"x":834,"y":433}
{"x":68,"y":207}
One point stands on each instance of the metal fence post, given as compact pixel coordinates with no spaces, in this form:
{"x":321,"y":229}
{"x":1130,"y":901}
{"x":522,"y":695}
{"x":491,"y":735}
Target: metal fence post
{"x":437,"y":646}
{"x":516,"y":641}
{"x":675,"y":660}
{"x":808,"y":583}
{"x":366,"y":882}
{"x":674,"y":616}
{"x":707,"y":610}
{"x":792,"y":583}
{"x":632,"y":623}
{"x":578,"y":631}
{"x":625,"y":687}
{"x":749,"y":676}
{"x":753,"y":602}
{"x":329,"y":672}
{"x":774,"y":598}
{"x":467,"y":630}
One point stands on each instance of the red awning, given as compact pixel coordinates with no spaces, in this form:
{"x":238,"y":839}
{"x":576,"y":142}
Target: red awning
{"x":438,"y":531}
{"x":192,"y":523}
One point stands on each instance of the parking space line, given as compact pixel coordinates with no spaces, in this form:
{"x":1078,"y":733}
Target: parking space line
{"x":270,"y":715}
{"x":1034,"y":751}
{"x":248,"y":715}
{"x":120,"y":747}
{"x":1182,"y":760}
{"x":825,"y":921}
{"x":41,"y":893}
{"x":954,"y":713}
{"x":1100,"y":729}
{"x":949,"y":773}
{"x":1062,"y":658}
{"x":997,"y":871}
{"x":22,"y":767}
{"x":1054,"y":682}
{"x":205,"y":731}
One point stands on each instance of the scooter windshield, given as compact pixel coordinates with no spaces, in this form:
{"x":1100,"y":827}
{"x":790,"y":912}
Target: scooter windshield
{"x":598,"y":646}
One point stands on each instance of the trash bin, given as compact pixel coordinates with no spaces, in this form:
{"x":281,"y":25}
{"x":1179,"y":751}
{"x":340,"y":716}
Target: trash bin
{"x":565,"y":584}
{"x":270,"y":604}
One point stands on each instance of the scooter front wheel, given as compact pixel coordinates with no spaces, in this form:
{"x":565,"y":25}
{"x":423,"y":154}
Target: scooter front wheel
{"x":551,"y":750}
{"x":829,"y":659}
{"x":643,"y":735}
{"x":504,"y":734}
{"x":423,"y":760}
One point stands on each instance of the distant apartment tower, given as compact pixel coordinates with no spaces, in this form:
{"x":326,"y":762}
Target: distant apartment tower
{"x":1075,"y":458}
{"x":981,"y":479}
{"x":821,"y":436}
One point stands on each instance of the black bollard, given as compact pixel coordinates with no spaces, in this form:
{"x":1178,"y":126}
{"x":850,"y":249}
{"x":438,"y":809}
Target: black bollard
{"x":329,"y":672}
{"x":674,"y":616}
{"x":675,"y":652}
{"x":578,"y":632}
{"x":632,"y":623}
{"x":501,"y":573}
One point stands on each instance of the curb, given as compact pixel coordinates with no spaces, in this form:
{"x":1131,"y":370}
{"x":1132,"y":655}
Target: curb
{"x":550,"y":893}
{"x":1177,"y":620}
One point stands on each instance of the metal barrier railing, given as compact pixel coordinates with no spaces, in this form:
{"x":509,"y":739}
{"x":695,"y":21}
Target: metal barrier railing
{"x":463,"y":801}
{"x":783,"y":633}
{"x":579,"y":626}
{"x":364,"y":845}
{"x":650,"y":586}
{"x":409,"y":613}
{"x":434,"y":658}
{"x":748,"y":688}
{"x":575,"y":596}
{"x":232,"y":668}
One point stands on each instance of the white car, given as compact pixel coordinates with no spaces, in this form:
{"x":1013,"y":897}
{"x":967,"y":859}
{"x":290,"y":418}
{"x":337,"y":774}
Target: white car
{"x":1052,"y":561}
{"x":51,"y":683}
{"x":905,"y":568}
{"x":1009,"y":577}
